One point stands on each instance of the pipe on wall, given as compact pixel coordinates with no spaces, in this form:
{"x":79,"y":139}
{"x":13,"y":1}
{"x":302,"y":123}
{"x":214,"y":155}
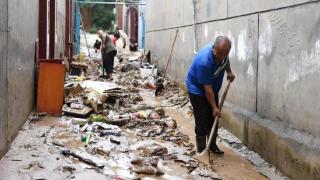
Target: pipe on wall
{"x":194,"y":28}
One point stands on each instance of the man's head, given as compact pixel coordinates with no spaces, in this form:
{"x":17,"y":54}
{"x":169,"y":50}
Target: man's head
{"x":116,"y":35}
{"x":100,"y":34}
{"x":221,"y":49}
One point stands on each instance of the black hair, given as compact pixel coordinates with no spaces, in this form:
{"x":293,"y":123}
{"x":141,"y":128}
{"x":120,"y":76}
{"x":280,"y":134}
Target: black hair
{"x":117,"y":35}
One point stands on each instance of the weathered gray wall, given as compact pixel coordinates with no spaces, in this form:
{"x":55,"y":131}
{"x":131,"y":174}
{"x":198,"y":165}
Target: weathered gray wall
{"x":23,"y":23}
{"x":60,"y":27}
{"x":18,"y":33}
{"x":275,"y":55}
{"x":3,"y":75}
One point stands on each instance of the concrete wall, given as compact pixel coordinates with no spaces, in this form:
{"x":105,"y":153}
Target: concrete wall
{"x":17,"y":46}
{"x":20,"y":62}
{"x":60,"y":27}
{"x":3,"y":75}
{"x":272,"y":105}
{"x":18,"y":33}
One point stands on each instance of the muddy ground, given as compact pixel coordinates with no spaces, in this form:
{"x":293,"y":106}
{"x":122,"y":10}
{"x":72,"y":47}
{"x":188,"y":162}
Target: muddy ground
{"x":129,"y":134}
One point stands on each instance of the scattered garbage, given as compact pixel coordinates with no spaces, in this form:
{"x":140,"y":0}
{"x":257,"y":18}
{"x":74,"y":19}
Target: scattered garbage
{"x":147,"y":70}
{"x":68,"y":169}
{"x":72,"y":89}
{"x":113,"y":140}
{"x":77,"y":112}
{"x":79,"y":121}
{"x":95,"y":100}
{"x":34,"y":164}
{"x":148,"y":171}
{"x":80,"y":158}
{"x":34,"y":117}
{"x":57,"y":143}
{"x":109,"y":126}
{"x":97,"y":118}
{"x":103,"y":151}
{"x":86,"y":139}
{"x":106,"y":117}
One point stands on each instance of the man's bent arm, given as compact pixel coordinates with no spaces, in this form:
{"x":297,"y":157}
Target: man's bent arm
{"x":228,"y":68}
{"x":230,"y":75}
{"x":211,"y":99}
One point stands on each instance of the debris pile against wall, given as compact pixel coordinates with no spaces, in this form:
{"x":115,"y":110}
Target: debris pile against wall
{"x":109,"y":121}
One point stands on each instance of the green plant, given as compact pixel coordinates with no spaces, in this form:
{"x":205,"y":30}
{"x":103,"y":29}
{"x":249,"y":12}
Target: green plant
{"x":94,"y":29}
{"x":101,"y":15}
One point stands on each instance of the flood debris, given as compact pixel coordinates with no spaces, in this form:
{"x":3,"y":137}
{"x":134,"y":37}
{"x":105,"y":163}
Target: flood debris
{"x":77,"y":112}
{"x":76,"y":68}
{"x":80,"y":158}
{"x":145,"y":161}
{"x":72,"y":89}
{"x":79,"y":121}
{"x":103,"y":151}
{"x":148,"y":170}
{"x":16,"y":160}
{"x":86,"y":139}
{"x":45,"y":135}
{"x":206,"y":173}
{"x":109,"y":126}
{"x":95,"y":100}
{"x":35,"y":116}
{"x":57,"y":143}
{"x":34,"y":164}
{"x":113,"y":140}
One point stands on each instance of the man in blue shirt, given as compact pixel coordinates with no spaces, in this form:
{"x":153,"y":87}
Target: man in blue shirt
{"x":204,"y":80}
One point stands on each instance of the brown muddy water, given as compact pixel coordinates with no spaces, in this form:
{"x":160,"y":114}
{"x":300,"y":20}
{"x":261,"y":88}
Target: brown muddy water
{"x":228,"y":166}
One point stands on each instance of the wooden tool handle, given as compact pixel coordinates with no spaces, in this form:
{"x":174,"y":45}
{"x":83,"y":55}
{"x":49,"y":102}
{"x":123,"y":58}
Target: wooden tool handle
{"x":224,"y":96}
{"x":216,"y":119}
{"x":169,"y":58}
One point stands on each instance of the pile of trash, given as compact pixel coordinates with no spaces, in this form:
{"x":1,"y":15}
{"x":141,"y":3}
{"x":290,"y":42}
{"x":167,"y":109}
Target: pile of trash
{"x":116,"y":129}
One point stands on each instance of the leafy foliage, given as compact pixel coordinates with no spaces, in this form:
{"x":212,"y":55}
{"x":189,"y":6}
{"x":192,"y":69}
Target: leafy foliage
{"x":101,"y":15}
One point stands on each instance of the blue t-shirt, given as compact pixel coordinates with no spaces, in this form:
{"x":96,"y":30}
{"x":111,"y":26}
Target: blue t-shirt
{"x":205,"y":70}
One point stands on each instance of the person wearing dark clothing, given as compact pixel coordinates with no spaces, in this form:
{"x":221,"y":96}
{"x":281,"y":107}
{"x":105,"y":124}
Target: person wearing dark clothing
{"x":108,"y":52}
{"x":115,"y":38}
{"x":133,"y":45}
{"x":204,"y":80}
{"x":97,"y":45}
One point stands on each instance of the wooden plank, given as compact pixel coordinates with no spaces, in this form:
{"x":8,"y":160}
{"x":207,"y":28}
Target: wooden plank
{"x":51,"y":87}
{"x":77,"y":112}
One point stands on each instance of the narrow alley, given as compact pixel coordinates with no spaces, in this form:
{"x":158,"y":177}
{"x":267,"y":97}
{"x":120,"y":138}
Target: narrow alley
{"x":119,"y":90}
{"x":135,"y":133}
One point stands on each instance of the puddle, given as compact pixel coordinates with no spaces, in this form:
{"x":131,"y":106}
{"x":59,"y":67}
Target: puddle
{"x":68,"y":139}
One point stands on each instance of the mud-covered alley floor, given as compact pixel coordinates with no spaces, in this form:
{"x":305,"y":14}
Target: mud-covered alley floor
{"x":118,"y":129}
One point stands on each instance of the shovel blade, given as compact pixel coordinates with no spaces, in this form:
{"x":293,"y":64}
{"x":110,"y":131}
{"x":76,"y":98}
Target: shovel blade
{"x":203,"y":156}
